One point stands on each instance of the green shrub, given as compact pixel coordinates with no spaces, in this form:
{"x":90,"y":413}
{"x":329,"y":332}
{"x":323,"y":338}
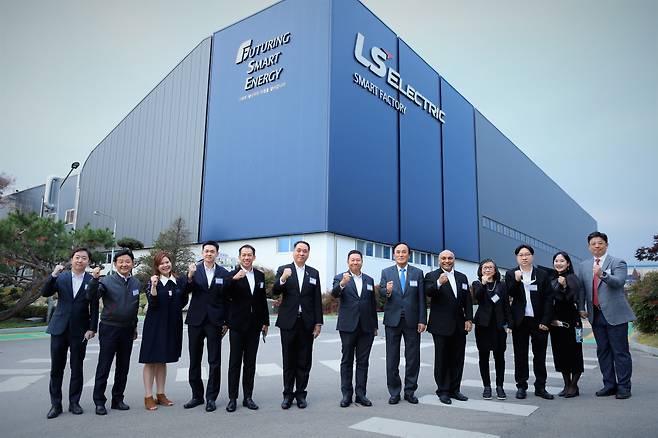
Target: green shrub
{"x":644,"y":300}
{"x":33,"y":311}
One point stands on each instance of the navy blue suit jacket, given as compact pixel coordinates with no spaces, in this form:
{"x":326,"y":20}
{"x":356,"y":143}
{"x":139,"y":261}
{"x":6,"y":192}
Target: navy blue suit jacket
{"x":207,"y":302}
{"x":355,"y":311}
{"x":77,"y":314}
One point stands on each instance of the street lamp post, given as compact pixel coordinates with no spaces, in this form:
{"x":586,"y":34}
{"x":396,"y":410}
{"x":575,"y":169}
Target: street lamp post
{"x":74,"y":166}
{"x":114,"y":234}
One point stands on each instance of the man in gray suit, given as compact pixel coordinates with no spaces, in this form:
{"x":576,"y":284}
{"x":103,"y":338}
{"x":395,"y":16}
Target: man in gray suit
{"x":405,"y":315}
{"x":357,"y":324}
{"x":608,"y":311}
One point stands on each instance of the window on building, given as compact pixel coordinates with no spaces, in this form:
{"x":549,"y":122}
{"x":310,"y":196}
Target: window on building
{"x":69,"y":217}
{"x":379,"y":250}
{"x":361,"y":246}
{"x":423,"y":259}
{"x":286,"y":243}
{"x":387,"y":252}
{"x":370,"y":249}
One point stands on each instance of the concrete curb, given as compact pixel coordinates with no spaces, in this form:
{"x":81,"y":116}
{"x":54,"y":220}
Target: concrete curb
{"x":641,"y":347}
{"x":39,"y":328}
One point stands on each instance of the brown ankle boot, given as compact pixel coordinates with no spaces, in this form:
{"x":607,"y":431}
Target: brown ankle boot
{"x":149,"y":404}
{"x":163,"y":400}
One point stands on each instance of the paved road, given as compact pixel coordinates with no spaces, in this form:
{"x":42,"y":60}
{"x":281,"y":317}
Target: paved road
{"x":24,"y":367}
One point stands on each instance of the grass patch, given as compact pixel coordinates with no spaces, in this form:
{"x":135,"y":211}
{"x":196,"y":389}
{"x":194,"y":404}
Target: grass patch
{"x":20,"y":322}
{"x":648,"y":339}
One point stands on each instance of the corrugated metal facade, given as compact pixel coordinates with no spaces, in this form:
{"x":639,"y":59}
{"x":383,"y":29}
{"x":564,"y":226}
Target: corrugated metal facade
{"x":148,"y":170}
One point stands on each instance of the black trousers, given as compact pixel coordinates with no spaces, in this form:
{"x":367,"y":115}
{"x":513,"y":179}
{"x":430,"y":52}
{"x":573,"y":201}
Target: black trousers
{"x":244,"y":347}
{"x":59,"y":346}
{"x":613,"y":353}
{"x":528,"y":331}
{"x":499,"y":359}
{"x":297,"y":351}
{"x":196,"y":336}
{"x":449,"y":361}
{"x":114,"y":341}
{"x":358,"y":342}
{"x":411,"y":356}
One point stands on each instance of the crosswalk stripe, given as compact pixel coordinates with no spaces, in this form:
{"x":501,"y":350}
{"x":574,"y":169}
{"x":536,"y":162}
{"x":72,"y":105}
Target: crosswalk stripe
{"x":403,"y":362}
{"x":507,"y":386}
{"x":182,"y":374}
{"x":268,"y":369}
{"x":23,"y":371}
{"x":333,"y":364}
{"x":378,"y":342}
{"x":90,"y":382}
{"x":475,"y":361}
{"x":407,"y":429}
{"x":18,"y":383}
{"x":497,"y":407}
{"x":35,"y":360}
{"x":330,"y":341}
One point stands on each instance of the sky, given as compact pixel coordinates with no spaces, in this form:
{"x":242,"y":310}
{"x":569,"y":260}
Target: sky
{"x":574,"y":84}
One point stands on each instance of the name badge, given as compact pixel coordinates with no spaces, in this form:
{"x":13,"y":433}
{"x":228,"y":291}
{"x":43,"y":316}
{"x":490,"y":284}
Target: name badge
{"x":608,"y":271}
{"x":413,"y":283}
{"x":261,"y":285}
{"x":369,"y":287}
{"x":495,"y":298}
{"x":464,"y":286}
{"x":135,"y":292}
{"x":86,"y":286}
{"x":219,"y":281}
{"x":532,"y":287}
{"x":312,"y":280}
{"x":170,"y":293}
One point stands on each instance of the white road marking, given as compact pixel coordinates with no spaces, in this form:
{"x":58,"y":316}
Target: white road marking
{"x":268,"y":369}
{"x":34,"y":360}
{"x":507,"y":386}
{"x":182,"y":374}
{"x":407,"y":429}
{"x":23,"y":371}
{"x":18,"y":383}
{"x":497,"y":407}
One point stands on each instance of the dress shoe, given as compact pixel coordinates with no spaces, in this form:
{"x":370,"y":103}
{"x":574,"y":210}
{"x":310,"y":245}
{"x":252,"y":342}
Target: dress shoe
{"x":286,"y":403}
{"x":521,"y":393}
{"x":149,"y":404}
{"x":249,"y":404}
{"x":622,"y":395}
{"x":210,"y":406}
{"x":572,"y":391}
{"x":193,"y":403}
{"x":120,"y":405}
{"x":162,"y":399}
{"x":54,"y":411}
{"x":459,"y":396}
{"x":541,"y":392}
{"x":411,"y":399}
{"x":500,"y":393}
{"x":231,"y":406}
{"x":605,"y":392}
{"x":563,"y":392}
{"x":100,"y":410}
{"x":445,"y":399}
{"x":345,"y":402}
{"x":486,"y":394}
{"x":301,"y":402}
{"x":75,"y":409}
{"x":363,"y":401}
{"x":394,"y":400}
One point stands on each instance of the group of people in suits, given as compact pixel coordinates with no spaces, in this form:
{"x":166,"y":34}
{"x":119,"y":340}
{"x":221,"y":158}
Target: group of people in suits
{"x":531,"y":303}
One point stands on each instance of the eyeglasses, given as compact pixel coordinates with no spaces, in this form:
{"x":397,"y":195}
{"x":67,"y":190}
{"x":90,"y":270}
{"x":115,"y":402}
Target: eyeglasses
{"x":524,"y":254}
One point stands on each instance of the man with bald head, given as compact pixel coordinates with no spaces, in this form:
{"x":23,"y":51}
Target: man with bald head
{"x":451,"y":318}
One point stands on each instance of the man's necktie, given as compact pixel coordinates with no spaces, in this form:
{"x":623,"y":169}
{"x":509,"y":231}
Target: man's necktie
{"x":403,"y":279}
{"x":595,"y":286}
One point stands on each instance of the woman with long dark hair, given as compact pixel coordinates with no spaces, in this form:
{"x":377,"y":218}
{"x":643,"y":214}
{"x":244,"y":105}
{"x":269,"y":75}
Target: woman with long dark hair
{"x":162,"y":336}
{"x":566,"y":327}
{"x":492,"y":321}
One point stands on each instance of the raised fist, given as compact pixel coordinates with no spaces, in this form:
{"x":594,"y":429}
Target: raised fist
{"x":287,"y":272}
{"x":346,"y":279}
{"x":240,"y":274}
{"x":191,"y":269}
{"x":518,"y":275}
{"x":96,"y":272}
{"x":443,"y":278}
{"x":389,"y":288}
{"x":58,"y":269}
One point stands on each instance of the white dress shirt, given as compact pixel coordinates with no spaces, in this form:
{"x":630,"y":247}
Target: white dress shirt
{"x":358,"y":281}
{"x":76,"y":282}
{"x":452,"y":281}
{"x":527,"y":278}
{"x":250,"y":278}
{"x":210,"y":273}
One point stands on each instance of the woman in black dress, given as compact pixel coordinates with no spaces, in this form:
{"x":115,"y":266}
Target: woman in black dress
{"x":567,"y":348}
{"x":492,"y":321}
{"x":162,"y":335}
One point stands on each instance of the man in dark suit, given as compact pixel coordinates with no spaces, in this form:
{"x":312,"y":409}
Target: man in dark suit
{"x":603,"y":277}
{"x":405,"y":315}
{"x":70,"y":327}
{"x":357,"y":324}
{"x":532,"y":311}
{"x":248,"y":317}
{"x":206,"y":319}
{"x":451,"y":318}
{"x":300,"y":321}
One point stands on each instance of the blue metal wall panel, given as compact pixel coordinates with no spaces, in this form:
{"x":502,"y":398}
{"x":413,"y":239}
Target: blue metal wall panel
{"x":265,"y":170}
{"x":516,"y":193}
{"x":421,"y":209}
{"x":363,"y":158}
{"x":460,"y":216}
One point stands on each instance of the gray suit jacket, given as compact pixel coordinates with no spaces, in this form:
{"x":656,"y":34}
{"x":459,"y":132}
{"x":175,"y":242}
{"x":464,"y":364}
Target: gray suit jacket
{"x":412,"y":300}
{"x":612,"y":297}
